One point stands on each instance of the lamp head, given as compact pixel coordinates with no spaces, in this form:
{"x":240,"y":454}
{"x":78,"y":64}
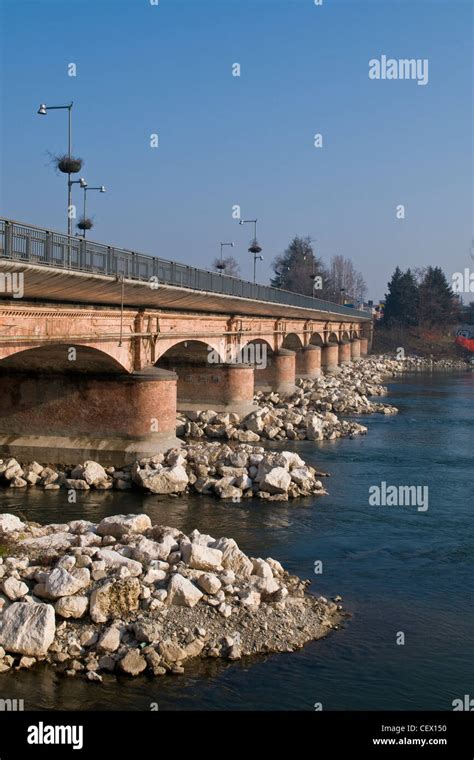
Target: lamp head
{"x":42,"y":110}
{"x":82,"y":182}
{"x":241,"y":221}
{"x":102,"y":188}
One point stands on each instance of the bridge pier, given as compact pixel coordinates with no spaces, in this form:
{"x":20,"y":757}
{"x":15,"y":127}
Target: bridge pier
{"x":329,"y":357}
{"x":221,"y":387}
{"x":66,"y":418}
{"x":308,"y":362}
{"x":364,"y":346}
{"x":355,"y":349}
{"x":279,"y":374}
{"x":344,"y":353}
{"x":284,"y":371}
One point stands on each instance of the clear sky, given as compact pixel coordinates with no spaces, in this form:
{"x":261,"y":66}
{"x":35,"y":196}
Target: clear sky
{"x":248,"y":140}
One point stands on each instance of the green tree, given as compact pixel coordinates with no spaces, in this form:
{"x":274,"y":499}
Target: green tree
{"x":402,"y":299}
{"x":393,"y":300}
{"x":410,"y":302}
{"x":437,"y":303}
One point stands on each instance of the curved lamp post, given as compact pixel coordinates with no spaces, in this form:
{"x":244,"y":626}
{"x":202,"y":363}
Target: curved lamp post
{"x":42,"y":111}
{"x":220,"y":264}
{"x":101,"y":189}
{"x":254,"y":248}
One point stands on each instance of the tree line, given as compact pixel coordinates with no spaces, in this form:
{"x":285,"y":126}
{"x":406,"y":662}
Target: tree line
{"x":420,"y":297}
{"x":300,"y":270}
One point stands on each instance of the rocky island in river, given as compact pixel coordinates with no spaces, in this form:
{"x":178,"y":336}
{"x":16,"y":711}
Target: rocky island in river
{"x":127,"y":596}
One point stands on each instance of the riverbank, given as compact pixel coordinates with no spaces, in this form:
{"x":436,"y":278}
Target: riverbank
{"x":432,"y":343}
{"x":127,"y":596}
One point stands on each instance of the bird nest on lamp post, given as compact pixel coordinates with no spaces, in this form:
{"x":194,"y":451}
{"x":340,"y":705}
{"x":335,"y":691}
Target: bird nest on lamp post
{"x":68,"y":164}
{"x":220,"y":265}
{"x":85,"y":224}
{"x":254,"y":247}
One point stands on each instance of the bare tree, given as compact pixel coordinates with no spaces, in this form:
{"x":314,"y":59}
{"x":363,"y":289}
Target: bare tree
{"x":343,"y":276}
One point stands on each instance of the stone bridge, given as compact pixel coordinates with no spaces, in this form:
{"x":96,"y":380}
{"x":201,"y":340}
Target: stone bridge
{"x":95,"y":364}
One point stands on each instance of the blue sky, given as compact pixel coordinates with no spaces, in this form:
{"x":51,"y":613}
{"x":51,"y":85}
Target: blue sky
{"x":247,"y":140}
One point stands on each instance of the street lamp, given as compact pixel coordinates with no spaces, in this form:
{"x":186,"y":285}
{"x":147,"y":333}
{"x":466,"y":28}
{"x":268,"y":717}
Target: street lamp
{"x":220,"y":264}
{"x":101,"y":189}
{"x":279,"y":273}
{"x":255,"y":248}
{"x":42,"y":111}
{"x":313,"y":275}
{"x":80,"y":182}
{"x":342,"y":291}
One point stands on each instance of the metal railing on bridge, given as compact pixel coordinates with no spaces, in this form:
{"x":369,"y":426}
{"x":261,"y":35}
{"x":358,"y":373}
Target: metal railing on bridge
{"x":36,"y":245}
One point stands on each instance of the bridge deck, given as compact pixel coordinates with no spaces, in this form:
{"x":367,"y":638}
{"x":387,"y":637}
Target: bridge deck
{"x":71,"y":269}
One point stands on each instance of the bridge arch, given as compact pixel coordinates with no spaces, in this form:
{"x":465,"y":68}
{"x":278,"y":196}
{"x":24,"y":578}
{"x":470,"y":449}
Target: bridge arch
{"x":345,"y":336}
{"x":195,"y":350}
{"x":317,"y":340}
{"x":293,"y":342}
{"x":62,"y":358}
{"x":190,"y":352}
{"x":332,"y":338}
{"x":262,"y":350}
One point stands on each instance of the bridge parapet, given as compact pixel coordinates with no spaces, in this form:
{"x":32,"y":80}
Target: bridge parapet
{"x":27,"y":244}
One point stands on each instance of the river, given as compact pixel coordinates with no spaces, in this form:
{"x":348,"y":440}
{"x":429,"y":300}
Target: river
{"x":398,"y":569}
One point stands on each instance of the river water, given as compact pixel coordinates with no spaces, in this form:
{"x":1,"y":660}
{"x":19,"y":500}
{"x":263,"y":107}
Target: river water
{"x":398,"y":569}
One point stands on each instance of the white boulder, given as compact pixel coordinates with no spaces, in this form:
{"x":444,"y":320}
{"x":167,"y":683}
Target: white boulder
{"x":201,"y":557}
{"x":10,"y":523}
{"x":182,"y":592}
{"x":72,"y":606}
{"x":118,"y":525}
{"x":277,"y":480}
{"x":14,"y":589}
{"x":27,"y":628}
{"x":209,"y":583}
{"x":168,"y":480}
{"x":60,"y":582}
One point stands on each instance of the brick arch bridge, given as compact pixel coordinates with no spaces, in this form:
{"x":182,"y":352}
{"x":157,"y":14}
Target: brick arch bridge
{"x":94,"y":362}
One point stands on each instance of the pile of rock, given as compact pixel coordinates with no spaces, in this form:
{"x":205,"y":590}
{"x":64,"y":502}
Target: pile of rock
{"x":423,"y":363}
{"x":229,"y":472}
{"x":126,"y":596}
{"x":312,"y":412}
{"x":385,"y":365}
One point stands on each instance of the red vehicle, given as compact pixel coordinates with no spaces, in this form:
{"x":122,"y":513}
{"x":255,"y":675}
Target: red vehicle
{"x":465,"y":338}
